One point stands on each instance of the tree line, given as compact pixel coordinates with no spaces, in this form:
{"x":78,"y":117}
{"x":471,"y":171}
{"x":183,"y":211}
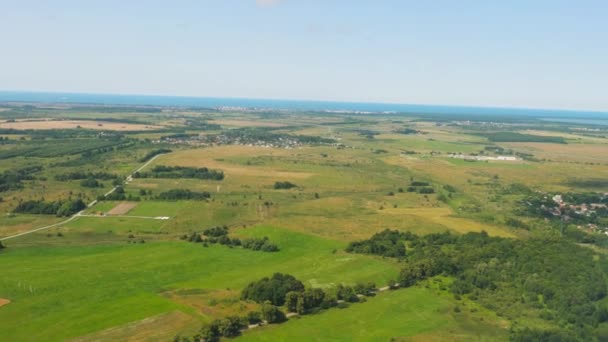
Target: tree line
{"x":59,"y":208}
{"x":161,"y":171}
{"x":219,"y":235}
{"x":79,"y":175}
{"x":285,"y":290}
{"x":183,"y":194}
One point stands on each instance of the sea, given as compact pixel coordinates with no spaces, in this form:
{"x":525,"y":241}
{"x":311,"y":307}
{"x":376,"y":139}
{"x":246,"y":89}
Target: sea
{"x":596,"y":117}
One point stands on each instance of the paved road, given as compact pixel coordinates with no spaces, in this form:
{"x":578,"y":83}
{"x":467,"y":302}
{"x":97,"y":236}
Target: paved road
{"x":78,"y":214}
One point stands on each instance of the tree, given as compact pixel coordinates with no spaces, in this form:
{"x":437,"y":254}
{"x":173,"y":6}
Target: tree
{"x":90,"y":183}
{"x":314,"y":297}
{"x":254,"y":317}
{"x":71,"y":207}
{"x":230,"y":326}
{"x":346,"y":293}
{"x":291,"y":301}
{"x":365,"y":289}
{"x":272,"y":289}
{"x":301,"y":305}
{"x":272,"y":314}
{"x":210,"y":332}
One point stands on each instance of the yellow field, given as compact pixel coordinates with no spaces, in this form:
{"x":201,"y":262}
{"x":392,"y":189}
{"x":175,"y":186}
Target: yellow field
{"x":570,"y":136}
{"x":63,"y":124}
{"x":444,"y":216}
{"x":594,"y":153}
{"x":549,"y":176}
{"x":213,"y":158}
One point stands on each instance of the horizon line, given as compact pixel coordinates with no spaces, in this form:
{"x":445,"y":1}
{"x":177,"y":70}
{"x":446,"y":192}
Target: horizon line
{"x":472,"y":106}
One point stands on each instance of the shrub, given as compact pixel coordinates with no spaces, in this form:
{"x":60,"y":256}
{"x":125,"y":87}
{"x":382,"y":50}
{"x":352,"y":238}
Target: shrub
{"x":284,"y":185}
{"x":419,"y":183}
{"x":254,"y":317}
{"x":216,"y":231}
{"x":426,"y":190}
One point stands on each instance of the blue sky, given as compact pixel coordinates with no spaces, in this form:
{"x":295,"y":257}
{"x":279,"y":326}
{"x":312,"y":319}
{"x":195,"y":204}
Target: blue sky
{"x":534,"y":53}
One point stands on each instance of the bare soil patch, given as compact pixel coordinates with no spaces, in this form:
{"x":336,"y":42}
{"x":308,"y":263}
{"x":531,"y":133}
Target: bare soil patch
{"x":4,"y":302}
{"x":122,"y":208}
{"x":86,"y":124}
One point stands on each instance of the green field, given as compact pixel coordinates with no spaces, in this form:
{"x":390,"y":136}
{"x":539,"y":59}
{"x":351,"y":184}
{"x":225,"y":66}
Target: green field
{"x":397,"y":315}
{"x":56,"y":287}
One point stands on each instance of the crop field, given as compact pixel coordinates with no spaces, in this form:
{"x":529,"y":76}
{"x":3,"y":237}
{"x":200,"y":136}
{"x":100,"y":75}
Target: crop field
{"x":141,"y":262}
{"x":83,"y":124}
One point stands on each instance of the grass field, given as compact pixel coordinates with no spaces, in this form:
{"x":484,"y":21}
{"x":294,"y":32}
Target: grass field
{"x":399,"y":315}
{"x":134,"y":277}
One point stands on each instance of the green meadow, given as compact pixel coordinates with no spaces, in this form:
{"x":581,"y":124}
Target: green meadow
{"x":395,"y":315}
{"x":69,"y":291}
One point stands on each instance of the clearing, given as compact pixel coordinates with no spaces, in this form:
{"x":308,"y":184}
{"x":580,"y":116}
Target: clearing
{"x":3,"y":302}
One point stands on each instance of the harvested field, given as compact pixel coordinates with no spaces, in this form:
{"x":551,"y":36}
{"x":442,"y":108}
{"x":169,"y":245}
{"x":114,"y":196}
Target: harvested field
{"x":122,"y":208}
{"x":209,"y":158}
{"x":155,"y":328}
{"x":86,"y":124}
{"x":595,"y":153}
